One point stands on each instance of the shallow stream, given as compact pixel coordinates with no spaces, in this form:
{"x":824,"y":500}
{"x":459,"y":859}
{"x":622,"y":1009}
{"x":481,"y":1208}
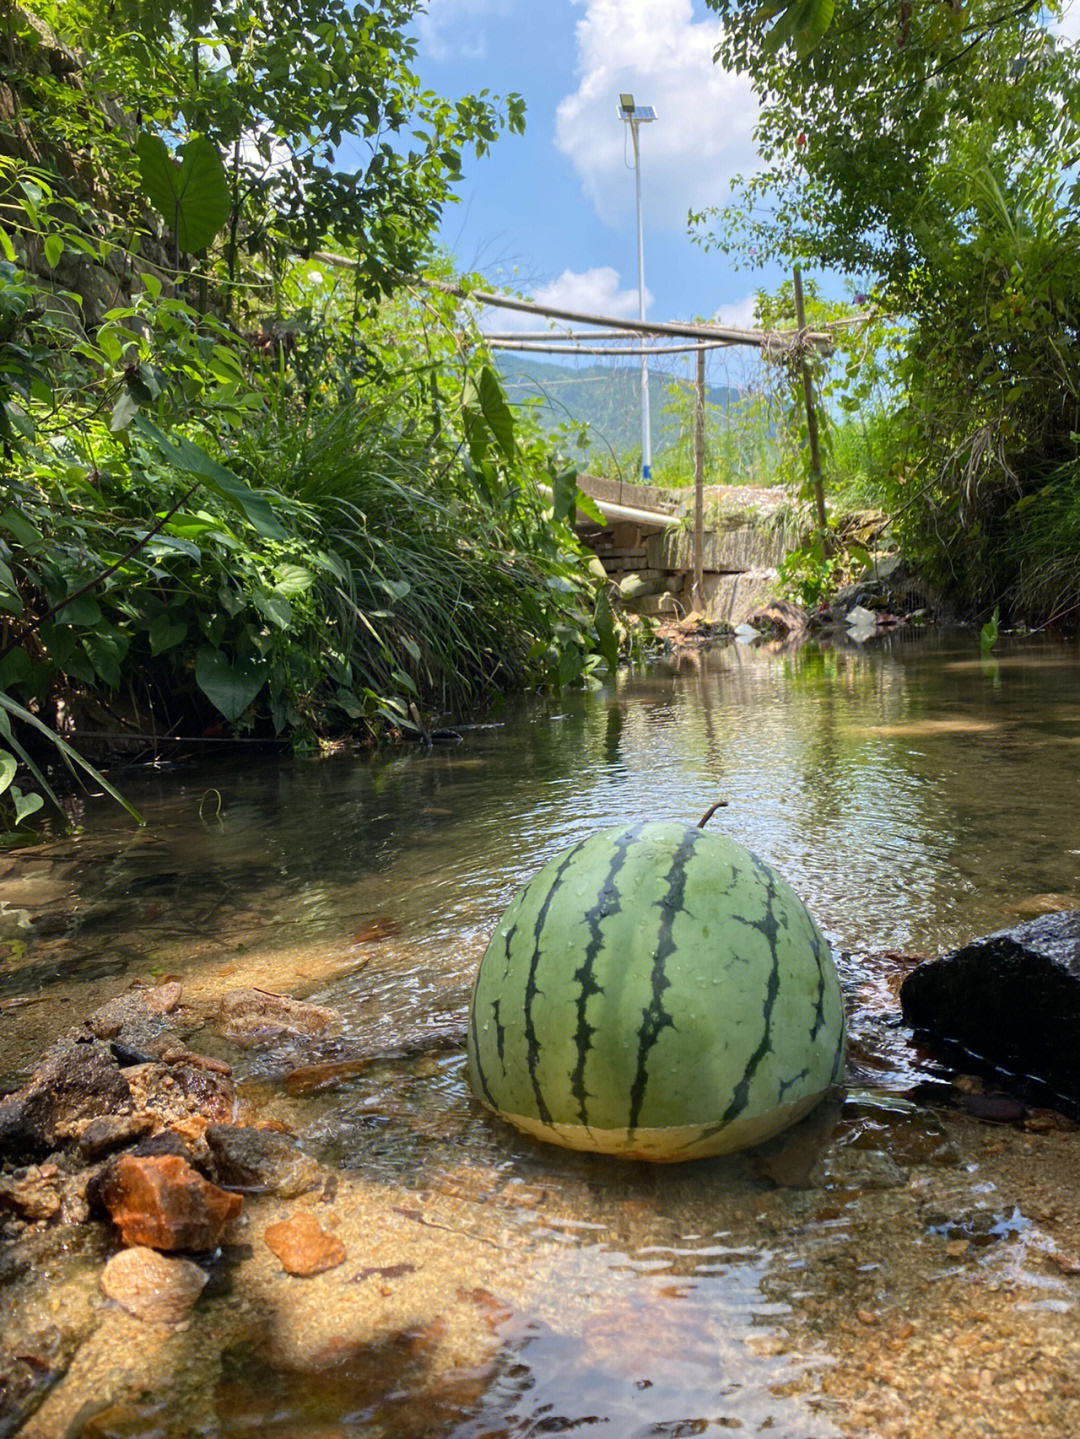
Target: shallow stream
{"x":893,"y":1267}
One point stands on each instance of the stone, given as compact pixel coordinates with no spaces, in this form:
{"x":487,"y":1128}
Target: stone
{"x":165,"y":998}
{"x":637,"y":586}
{"x":256,"y":1016}
{"x":34,"y":1196}
{"x":861,"y":621}
{"x":1012,"y":998}
{"x":175,"y":1092}
{"x":246,"y":1158}
{"x":303,"y":1246}
{"x":112,"y":1131}
{"x":74,"y":1083}
{"x":151,"y":1287}
{"x":161,"y":1202}
{"x":779,"y":617}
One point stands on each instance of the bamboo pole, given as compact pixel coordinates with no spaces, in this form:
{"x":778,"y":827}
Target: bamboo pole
{"x":697,"y":595}
{"x":532,"y":347}
{"x":762,"y":339}
{"x":811,"y":412}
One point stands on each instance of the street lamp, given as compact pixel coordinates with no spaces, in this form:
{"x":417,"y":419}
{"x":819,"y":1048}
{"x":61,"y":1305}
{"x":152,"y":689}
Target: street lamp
{"x":635,"y":115}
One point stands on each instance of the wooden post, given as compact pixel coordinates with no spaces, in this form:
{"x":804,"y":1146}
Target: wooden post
{"x":811,"y":412}
{"x":697,"y":595}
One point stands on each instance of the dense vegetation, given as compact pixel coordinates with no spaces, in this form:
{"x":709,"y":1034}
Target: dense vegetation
{"x":928,"y":150}
{"x":255,"y":478}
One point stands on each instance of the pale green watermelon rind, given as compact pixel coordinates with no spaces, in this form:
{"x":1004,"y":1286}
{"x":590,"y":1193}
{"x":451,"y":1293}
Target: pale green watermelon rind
{"x":619,"y":954}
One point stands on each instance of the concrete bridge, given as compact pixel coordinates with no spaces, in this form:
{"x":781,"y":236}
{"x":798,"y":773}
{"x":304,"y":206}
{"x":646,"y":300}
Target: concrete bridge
{"x":646,"y":546}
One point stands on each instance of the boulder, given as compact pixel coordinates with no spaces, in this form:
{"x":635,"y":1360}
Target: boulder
{"x":75,"y":1083}
{"x":1012,"y":998}
{"x":161,"y":1202}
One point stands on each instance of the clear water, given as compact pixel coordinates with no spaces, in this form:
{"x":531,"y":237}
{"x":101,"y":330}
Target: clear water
{"x":914,"y":793}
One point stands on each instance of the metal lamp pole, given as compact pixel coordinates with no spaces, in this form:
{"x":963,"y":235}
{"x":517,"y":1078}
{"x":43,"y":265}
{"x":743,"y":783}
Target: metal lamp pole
{"x":635,"y":115}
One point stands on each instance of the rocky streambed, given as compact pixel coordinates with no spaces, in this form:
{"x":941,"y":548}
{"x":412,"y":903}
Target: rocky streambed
{"x":228,"y":1213}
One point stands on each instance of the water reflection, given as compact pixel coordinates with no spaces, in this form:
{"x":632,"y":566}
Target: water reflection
{"x":913,"y":794}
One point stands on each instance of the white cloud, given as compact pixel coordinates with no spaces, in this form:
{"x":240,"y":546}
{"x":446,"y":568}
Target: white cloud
{"x":703,"y":133}
{"x":1068,"y":25}
{"x":455,"y":29}
{"x":738,"y":314}
{"x":592,"y":292}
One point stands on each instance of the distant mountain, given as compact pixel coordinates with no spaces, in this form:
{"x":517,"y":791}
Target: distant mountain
{"x":606,"y":399}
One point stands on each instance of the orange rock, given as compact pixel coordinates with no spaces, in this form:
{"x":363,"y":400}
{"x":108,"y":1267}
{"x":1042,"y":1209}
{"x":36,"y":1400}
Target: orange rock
{"x":303,"y":1246}
{"x":160,"y":1201}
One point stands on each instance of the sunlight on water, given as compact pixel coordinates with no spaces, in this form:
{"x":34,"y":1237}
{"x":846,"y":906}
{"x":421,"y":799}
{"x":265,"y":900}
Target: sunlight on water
{"x":914,"y":794}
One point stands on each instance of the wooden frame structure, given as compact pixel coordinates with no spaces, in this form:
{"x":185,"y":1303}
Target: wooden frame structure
{"x":702,"y":338}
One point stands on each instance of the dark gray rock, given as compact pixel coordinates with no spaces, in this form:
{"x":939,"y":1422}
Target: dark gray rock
{"x":1012,"y":998}
{"x":74,"y":1083}
{"x":260,"y":1159}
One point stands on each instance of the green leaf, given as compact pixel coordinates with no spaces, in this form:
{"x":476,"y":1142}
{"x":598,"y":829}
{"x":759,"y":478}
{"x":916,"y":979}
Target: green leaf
{"x":70,"y":756}
{"x":8,"y":767}
{"x":192,"y":459}
{"x":607,"y":639}
{"x":192,"y":197}
{"x":123,"y":412}
{"x":571,"y":665}
{"x":565,"y":490}
{"x":497,"y":413}
{"x":83,"y":611}
{"x":229,"y":687}
{"x":276,"y":609}
{"x":54,"y":249}
{"x":20,"y":528}
{"x":25,"y":804}
{"x":293,"y":580}
{"x":396,"y":589}
{"x":988,"y":635}
{"x":588,"y":506}
{"x":165,"y":633}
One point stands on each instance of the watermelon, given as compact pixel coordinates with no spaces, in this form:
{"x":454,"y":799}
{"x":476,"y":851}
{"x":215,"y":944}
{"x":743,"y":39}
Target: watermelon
{"x":659,"y":993}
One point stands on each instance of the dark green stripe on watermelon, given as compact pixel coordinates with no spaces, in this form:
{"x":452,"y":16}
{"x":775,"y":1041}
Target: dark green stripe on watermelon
{"x":769,"y":927}
{"x":475,"y":1049}
{"x":532,"y":988}
{"x":655,"y":1018}
{"x":609,"y":902}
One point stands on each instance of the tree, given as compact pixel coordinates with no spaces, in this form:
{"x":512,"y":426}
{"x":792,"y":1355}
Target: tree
{"x":936,"y":162}
{"x":280,"y":88}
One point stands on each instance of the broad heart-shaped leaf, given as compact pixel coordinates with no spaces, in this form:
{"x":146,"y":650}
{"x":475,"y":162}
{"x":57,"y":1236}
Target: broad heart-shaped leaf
{"x":25,"y":804}
{"x":8,"y":765}
{"x":191,"y":459}
{"x":165,"y":632}
{"x":497,"y":413}
{"x":565,"y":492}
{"x":193,"y":196}
{"x":606,"y":638}
{"x":229,"y":687}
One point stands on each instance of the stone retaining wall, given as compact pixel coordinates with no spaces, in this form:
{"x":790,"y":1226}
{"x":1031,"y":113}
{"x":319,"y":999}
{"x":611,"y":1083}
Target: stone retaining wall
{"x":743,"y":546}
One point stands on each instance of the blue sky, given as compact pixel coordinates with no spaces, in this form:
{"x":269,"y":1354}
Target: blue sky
{"x":551,"y":214}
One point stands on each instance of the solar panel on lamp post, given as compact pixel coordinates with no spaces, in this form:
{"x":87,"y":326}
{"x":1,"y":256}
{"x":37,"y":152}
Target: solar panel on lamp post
{"x":635,"y":115}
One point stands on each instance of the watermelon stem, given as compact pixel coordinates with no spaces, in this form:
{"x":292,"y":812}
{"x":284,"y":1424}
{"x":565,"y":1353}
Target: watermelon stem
{"x":707,"y":816}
